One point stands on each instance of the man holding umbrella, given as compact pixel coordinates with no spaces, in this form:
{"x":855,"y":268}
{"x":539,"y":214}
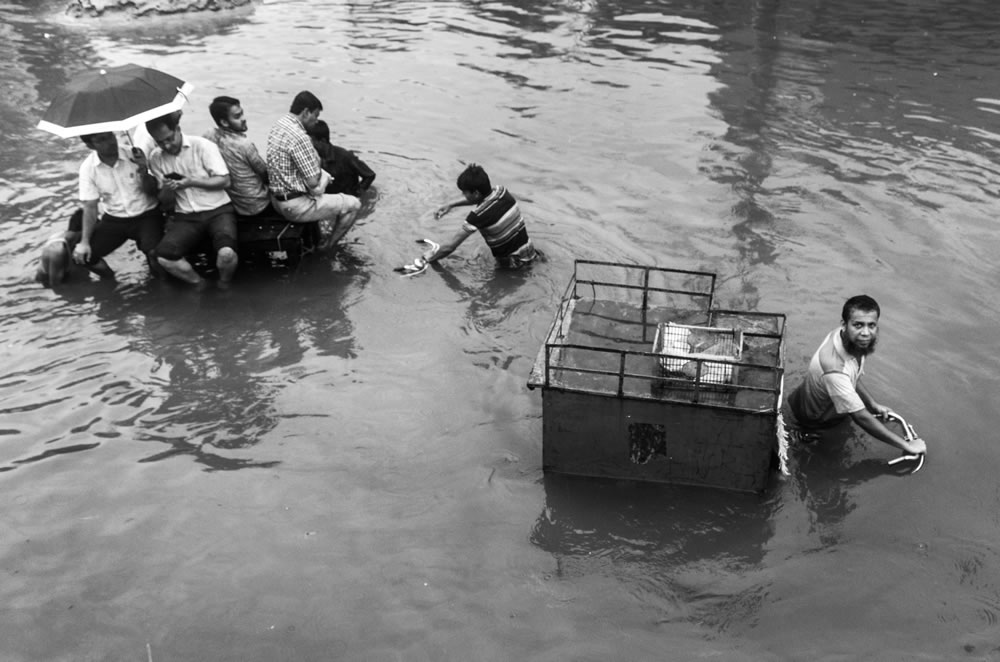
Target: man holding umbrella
{"x":118,"y":195}
{"x":114,"y":181}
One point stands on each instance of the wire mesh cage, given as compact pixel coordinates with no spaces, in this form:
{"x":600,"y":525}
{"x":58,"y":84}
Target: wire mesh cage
{"x":699,"y":353}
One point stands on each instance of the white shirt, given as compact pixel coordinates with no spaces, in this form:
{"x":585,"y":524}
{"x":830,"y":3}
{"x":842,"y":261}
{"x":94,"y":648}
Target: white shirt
{"x":198,"y":158}
{"x":117,"y":188}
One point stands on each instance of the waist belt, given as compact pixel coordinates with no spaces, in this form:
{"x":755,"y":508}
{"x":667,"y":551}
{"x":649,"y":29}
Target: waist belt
{"x":291,"y":195}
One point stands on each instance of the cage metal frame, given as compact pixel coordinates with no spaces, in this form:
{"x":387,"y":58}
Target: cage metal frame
{"x":555,"y":342}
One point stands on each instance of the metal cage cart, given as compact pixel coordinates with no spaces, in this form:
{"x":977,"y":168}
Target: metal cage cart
{"x":642,"y":378}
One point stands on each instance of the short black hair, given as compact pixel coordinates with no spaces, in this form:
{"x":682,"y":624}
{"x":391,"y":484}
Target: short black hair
{"x":219,"y":108}
{"x":474,"y":178}
{"x":305,"y":101}
{"x":861,"y":302}
{"x":320,"y":131}
{"x":88,"y":139}
{"x":170,"y":120}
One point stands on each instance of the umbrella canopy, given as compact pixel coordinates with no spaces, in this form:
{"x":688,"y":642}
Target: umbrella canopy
{"x":114,"y":99}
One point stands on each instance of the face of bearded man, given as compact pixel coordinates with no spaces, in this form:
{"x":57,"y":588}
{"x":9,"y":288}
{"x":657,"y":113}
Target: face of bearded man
{"x":860,"y":332}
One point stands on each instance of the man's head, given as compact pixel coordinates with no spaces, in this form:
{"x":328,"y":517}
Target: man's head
{"x":105,"y":144}
{"x":474,"y":183}
{"x":228,"y":114}
{"x":859,"y":324}
{"x":166,"y":131}
{"x":320,"y":131}
{"x":307,"y":107}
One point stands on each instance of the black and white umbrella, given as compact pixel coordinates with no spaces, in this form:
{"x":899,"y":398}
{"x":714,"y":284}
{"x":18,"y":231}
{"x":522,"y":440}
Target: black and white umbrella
{"x":114,"y":99}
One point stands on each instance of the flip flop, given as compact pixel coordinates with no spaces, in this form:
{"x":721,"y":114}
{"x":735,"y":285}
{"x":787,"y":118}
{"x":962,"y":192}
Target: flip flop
{"x":419,"y":265}
{"x":414,"y":268}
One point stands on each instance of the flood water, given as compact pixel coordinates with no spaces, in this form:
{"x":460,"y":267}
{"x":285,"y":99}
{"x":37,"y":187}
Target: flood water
{"x":334,"y":463}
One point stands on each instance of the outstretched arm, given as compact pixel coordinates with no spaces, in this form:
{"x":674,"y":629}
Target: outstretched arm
{"x":447,"y":248}
{"x":866,"y":421}
{"x":445,"y":208}
{"x":880,"y":411}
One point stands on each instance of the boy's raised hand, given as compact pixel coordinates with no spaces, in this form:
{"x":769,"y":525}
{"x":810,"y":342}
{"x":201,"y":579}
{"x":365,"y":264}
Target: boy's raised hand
{"x":442,"y":210}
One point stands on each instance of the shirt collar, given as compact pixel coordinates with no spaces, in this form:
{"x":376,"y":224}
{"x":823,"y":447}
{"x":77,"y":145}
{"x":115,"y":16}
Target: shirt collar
{"x":838,"y":346}
{"x":123,"y":155}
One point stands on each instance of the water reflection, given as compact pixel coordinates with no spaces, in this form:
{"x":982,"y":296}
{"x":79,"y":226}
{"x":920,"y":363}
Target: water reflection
{"x":670,"y":545}
{"x":825,"y":476}
{"x":198,"y":372}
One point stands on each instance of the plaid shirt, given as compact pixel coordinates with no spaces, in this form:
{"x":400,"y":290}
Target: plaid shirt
{"x":291,"y":157}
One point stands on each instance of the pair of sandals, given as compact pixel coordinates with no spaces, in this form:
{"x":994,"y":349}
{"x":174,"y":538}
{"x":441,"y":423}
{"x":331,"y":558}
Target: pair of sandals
{"x":419,"y":265}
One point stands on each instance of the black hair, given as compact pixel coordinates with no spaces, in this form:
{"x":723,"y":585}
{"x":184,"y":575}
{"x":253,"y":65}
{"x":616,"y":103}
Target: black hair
{"x":220,"y":106}
{"x":320,"y":131}
{"x":170,"y":120}
{"x":305,"y":101}
{"x":861,"y":302}
{"x":88,"y":139}
{"x":474,"y":178}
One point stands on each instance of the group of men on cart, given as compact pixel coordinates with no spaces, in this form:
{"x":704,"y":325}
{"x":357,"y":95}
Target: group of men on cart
{"x":176,"y":194}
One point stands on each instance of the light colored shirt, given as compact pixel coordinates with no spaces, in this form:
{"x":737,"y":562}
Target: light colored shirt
{"x":291,"y":157}
{"x":829,"y":389}
{"x":198,"y":158}
{"x":118,"y":188}
{"x":246,"y":170}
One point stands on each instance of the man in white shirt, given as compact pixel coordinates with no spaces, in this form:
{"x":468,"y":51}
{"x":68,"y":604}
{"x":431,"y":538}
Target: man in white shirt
{"x":118,"y":196}
{"x":193,"y":177}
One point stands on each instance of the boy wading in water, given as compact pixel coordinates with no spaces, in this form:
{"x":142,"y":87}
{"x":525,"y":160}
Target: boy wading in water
{"x":496,"y":216}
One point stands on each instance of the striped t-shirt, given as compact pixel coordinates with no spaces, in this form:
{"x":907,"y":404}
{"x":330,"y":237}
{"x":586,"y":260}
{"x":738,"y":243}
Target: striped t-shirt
{"x":498,"y":219}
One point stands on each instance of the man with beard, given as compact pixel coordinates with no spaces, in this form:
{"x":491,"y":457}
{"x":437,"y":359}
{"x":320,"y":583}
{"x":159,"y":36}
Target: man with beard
{"x":832,"y":389}
{"x":247,"y":170}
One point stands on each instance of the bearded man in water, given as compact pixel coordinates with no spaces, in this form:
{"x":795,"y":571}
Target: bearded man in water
{"x":832,"y":389}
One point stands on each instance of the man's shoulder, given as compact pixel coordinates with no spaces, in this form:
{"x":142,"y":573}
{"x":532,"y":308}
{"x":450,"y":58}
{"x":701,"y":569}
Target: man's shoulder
{"x":156,"y":156}
{"x":89,"y":162}
{"x":287,"y":122}
{"x":198,"y":141}
{"x":214,"y":135}
{"x":832,"y":357}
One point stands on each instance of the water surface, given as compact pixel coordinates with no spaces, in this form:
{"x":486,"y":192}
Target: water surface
{"x":331,"y":462}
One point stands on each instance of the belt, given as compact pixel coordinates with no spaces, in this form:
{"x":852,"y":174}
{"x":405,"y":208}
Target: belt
{"x":291,"y":195}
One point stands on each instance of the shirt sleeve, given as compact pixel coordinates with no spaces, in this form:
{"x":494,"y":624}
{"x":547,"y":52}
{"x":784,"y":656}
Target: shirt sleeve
{"x":472,"y":222}
{"x":211,"y":159}
{"x":156,"y":166}
{"x":257,"y":164}
{"x":305,"y":157}
{"x":842,"y":392}
{"x":88,"y":187}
